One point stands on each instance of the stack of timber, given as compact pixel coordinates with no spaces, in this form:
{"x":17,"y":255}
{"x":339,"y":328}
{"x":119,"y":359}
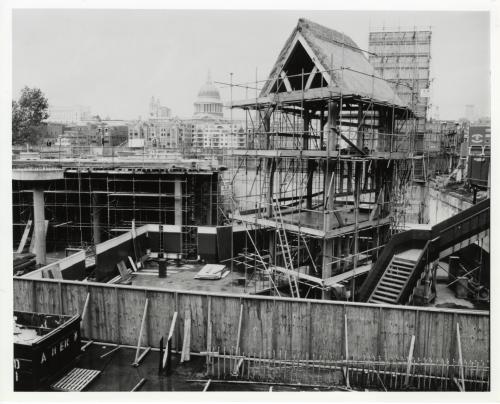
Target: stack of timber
{"x":212,"y":272}
{"x":24,"y":263}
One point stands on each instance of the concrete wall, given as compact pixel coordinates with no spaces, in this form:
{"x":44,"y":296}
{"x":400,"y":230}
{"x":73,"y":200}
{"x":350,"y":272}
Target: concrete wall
{"x":302,"y":326}
{"x":443,"y":205}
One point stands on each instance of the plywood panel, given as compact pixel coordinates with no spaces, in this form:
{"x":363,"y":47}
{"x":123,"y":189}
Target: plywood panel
{"x":327,"y":328}
{"x":396,"y":329}
{"x":257,"y":327}
{"x":198,"y":307}
{"x":23,"y":295}
{"x":74,"y":300}
{"x":47,"y":297}
{"x":435,"y":335}
{"x":161,"y":310}
{"x":225,"y":315}
{"x":474,"y":331}
{"x":104,"y":315}
{"x":131,"y":309}
{"x":362,"y":330}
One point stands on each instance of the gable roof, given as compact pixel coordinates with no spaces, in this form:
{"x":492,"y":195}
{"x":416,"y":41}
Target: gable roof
{"x":345,"y":66}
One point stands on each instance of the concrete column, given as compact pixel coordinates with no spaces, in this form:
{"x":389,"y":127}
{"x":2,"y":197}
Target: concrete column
{"x":39,"y":231}
{"x":96,"y":220}
{"x":178,"y":203}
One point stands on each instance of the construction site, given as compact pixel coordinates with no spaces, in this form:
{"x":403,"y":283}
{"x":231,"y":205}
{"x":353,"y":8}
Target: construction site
{"x":345,"y":248}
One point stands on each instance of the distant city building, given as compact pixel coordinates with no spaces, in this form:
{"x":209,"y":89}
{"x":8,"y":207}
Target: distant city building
{"x":208,"y":104}
{"x":158,"y":111}
{"x":165,"y":133}
{"x":68,"y":114}
{"x":206,"y":129}
{"x":211,"y":130}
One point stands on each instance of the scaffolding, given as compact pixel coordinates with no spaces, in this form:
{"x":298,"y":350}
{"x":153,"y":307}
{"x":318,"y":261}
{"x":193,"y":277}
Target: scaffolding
{"x":326,"y":165}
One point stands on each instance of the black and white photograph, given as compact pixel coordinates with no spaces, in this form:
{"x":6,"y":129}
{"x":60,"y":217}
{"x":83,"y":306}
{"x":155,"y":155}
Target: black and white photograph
{"x":224,"y":200}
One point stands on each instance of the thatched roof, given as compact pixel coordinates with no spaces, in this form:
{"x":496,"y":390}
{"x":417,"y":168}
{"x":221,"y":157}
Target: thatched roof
{"x":334,"y":50}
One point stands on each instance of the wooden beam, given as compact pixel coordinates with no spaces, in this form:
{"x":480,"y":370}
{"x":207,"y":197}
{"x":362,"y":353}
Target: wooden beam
{"x":169,"y":339}
{"x":132,"y":263}
{"x":239,"y":328}
{"x":139,"y":340}
{"x":85,"y":306}
{"x":139,"y":385}
{"x":207,"y":385}
{"x":460,"y":359}
{"x":311,"y":78}
{"x":116,"y":348}
{"x":24,"y":237}
{"x":209,"y":328}
{"x":186,"y":342}
{"x":410,"y":359}
{"x":87,"y":345}
{"x":288,"y":86}
{"x":346,"y":369}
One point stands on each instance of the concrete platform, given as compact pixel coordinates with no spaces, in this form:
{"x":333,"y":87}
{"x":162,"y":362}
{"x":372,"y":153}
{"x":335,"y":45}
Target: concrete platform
{"x":37,"y":174}
{"x":182,"y":278}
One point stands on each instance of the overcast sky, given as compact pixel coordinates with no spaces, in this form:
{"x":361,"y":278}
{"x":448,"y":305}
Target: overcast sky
{"x":115,"y":60}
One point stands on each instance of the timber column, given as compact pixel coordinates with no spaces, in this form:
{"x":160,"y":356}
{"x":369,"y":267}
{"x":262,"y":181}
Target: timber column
{"x":329,"y":192}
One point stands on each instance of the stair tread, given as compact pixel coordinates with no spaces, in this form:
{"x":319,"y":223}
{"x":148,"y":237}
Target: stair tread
{"x":397,"y":275}
{"x":391,"y":284}
{"x":384,"y":293}
{"x":389,"y":289}
{"x":383,"y":299}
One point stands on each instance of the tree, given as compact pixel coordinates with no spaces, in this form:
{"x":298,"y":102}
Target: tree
{"x":27,"y":115}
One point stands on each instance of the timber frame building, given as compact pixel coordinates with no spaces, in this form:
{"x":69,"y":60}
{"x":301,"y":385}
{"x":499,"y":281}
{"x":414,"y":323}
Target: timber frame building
{"x":329,"y":141}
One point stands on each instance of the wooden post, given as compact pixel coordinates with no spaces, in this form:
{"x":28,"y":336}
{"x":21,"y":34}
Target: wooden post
{"x":207,"y":384}
{"x":186,"y":343}
{"x":139,"y":385}
{"x":460,"y":360}
{"x":239,"y":327}
{"x":169,"y":339}
{"x":24,"y":237}
{"x":410,"y":359}
{"x":85,"y":306}
{"x":209,"y":328}
{"x":160,"y":362}
{"x":346,"y":369}
{"x":139,"y":340}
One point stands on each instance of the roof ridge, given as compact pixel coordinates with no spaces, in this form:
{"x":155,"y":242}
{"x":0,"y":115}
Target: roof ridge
{"x":326,"y":34}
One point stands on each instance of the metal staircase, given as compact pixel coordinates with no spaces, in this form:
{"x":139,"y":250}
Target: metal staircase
{"x":395,"y":275}
{"x":391,"y":284}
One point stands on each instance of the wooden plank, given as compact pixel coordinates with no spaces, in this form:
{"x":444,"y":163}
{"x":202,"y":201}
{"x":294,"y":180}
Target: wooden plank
{"x":139,"y":384}
{"x":460,"y":359}
{"x":132,"y":263}
{"x":139,"y":340}
{"x":26,"y":232}
{"x":346,"y":346}
{"x":410,"y":359}
{"x":186,"y":341}
{"x":207,"y":385}
{"x":169,"y":339}
{"x":85,"y":307}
